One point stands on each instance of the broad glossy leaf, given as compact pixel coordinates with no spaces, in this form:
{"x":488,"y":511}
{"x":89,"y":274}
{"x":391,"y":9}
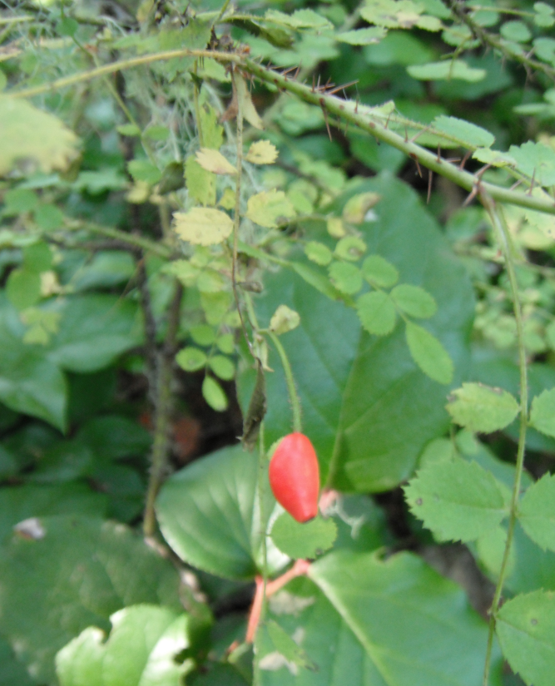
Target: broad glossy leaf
{"x":76,"y":573}
{"x":140,"y":651}
{"x":93,"y":331}
{"x":29,"y":382}
{"x":22,"y":502}
{"x":526,"y":630}
{"x":209,"y":514}
{"x":363,"y":397}
{"x":380,"y":623}
{"x":11,"y":671}
{"x":457,"y":500}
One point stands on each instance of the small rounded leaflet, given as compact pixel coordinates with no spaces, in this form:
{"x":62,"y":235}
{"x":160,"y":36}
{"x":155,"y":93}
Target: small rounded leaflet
{"x":295,"y":477}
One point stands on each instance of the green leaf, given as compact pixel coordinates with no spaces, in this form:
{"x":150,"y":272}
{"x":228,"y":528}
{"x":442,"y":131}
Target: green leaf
{"x":213,"y":161}
{"x":481,"y":408}
{"x":203,"y":226}
{"x":201,"y":184}
{"x":19,"y":200}
{"x":350,"y":248}
{"x":283,"y":320}
{"x":268,"y":208}
{"x":365,"y":36}
{"x":142,"y":170}
{"x":140,"y":651}
{"x":394,"y":621}
{"x":429,"y":354}
{"x":414,"y":301}
{"x":464,"y":132}
{"x":212,"y":130}
{"x":222,"y":367}
{"x":12,"y":671}
{"x":286,"y":647}
{"x":18,"y":503}
{"x":515,"y":31}
{"x":379,"y":272}
{"x":357,"y":206}
{"x":114,"y":437}
{"x":536,"y":512}
{"x":318,"y":252}
{"x":209,"y":514}
{"x":345,"y":277}
{"x":90,"y":568}
{"x":128,"y":130}
{"x":23,"y":288}
{"x":157,"y":133}
{"x":525,"y":626}
{"x":363,"y":399}
{"x":94,"y":330}
{"x":542,"y":414}
{"x":457,"y":500}
{"x":214,"y":394}
{"x":203,"y":334}
{"x":448,"y":70}
{"x":29,"y":382}
{"x":300,"y":19}
{"x":303,"y":541}
{"x":316,"y":279}
{"x":536,"y":160}
{"x":31,"y":134}
{"x":377,"y":313}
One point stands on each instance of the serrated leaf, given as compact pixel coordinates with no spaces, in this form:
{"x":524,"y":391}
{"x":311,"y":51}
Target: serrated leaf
{"x":318,"y":252}
{"x":214,"y":394}
{"x":242,"y":93}
{"x":212,"y":130}
{"x":377,"y":313}
{"x":143,"y":170}
{"x":345,"y":277}
{"x":350,"y":248}
{"x":31,"y":134}
{"x":365,"y":36}
{"x":141,"y":650}
{"x":445,"y":71}
{"x":262,"y":152}
{"x":481,"y":408}
{"x":213,"y":161}
{"x":268,"y":207}
{"x":494,"y":157}
{"x":525,"y":626}
{"x":358,"y":205}
{"x":536,"y":160}
{"x":414,"y":301}
{"x":303,"y":541}
{"x":536,"y":512}
{"x":316,"y":279}
{"x":300,"y":19}
{"x":287,"y":648}
{"x":463,"y":131}
{"x":379,"y":272}
{"x":457,"y":500}
{"x":284,"y":319}
{"x":335,"y":227}
{"x":393,"y":14}
{"x":191,"y":359}
{"x":429,"y":354}
{"x":203,"y":226}
{"x":201,"y":184}
{"x":542,"y":414}
{"x":131,"y":130}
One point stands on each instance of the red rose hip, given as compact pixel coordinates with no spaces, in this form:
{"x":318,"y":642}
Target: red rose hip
{"x":295,"y":477}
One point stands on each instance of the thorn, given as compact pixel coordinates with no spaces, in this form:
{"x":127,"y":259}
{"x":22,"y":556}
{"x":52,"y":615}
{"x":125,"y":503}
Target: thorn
{"x":406,"y":135}
{"x":313,"y":83}
{"x":481,"y":171}
{"x":465,"y":159}
{"x":430,"y":179}
{"x":419,"y":134}
{"x":387,"y":120}
{"x":452,"y":160}
{"x":325,"y":112}
{"x":532,"y":183}
{"x":356,"y":105}
{"x":318,"y":86}
{"x":338,"y":88}
{"x":471,"y":197}
{"x":438,"y":158}
{"x":413,"y":156}
{"x":287,"y":71}
{"x":516,"y":184}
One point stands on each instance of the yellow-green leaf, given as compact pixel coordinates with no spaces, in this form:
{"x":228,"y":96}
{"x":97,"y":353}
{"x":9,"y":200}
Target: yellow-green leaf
{"x":262,"y":152}
{"x":213,"y":161}
{"x":203,"y":226}
{"x":268,"y":207}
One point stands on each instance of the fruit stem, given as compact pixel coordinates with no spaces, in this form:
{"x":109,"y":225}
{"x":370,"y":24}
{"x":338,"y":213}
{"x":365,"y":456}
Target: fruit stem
{"x":293,"y":395}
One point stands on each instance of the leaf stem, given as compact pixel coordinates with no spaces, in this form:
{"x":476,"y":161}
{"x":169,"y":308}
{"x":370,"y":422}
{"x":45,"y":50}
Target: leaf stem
{"x":503,"y":237}
{"x":293,"y":395}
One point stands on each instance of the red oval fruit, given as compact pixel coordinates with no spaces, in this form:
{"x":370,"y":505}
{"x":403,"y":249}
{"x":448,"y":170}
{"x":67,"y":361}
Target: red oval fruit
{"x":295,"y":477}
